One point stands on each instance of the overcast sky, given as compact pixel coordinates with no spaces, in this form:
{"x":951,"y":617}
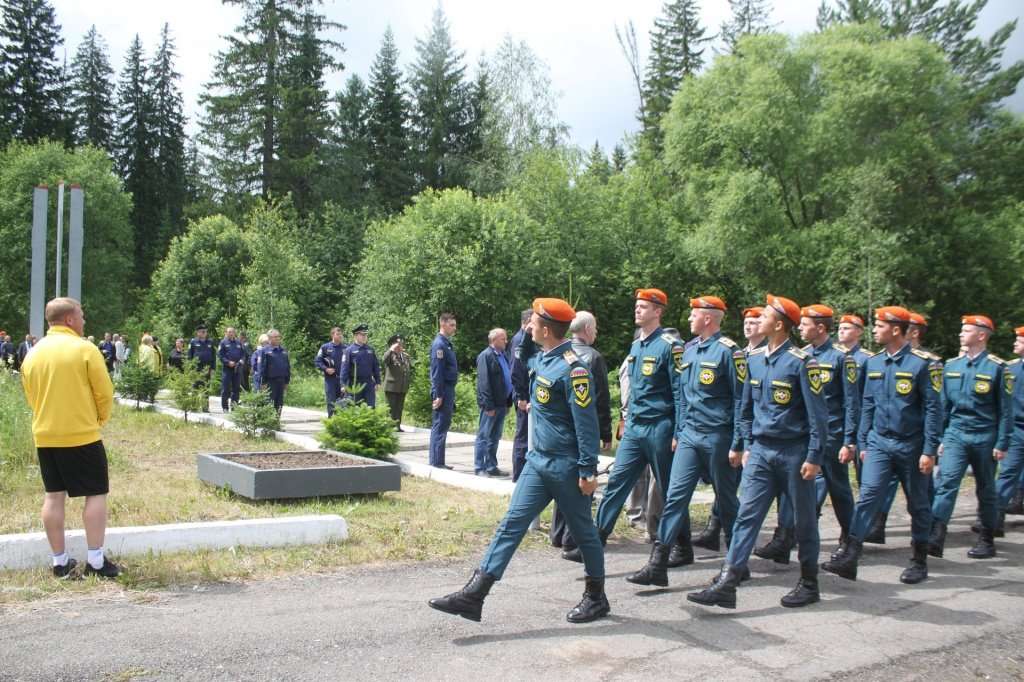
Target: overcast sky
{"x":575,"y":37}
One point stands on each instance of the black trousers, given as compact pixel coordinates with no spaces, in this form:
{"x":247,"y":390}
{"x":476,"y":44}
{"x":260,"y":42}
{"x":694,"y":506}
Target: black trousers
{"x":396,"y":405}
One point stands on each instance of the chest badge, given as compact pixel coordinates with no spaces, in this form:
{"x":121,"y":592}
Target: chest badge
{"x":647,"y":368}
{"x":904,"y":386}
{"x":981,"y":387}
{"x":706,"y":376}
{"x":781,"y":395}
{"x":677,"y":358}
{"x":543,"y":395}
{"x":1008,"y":383}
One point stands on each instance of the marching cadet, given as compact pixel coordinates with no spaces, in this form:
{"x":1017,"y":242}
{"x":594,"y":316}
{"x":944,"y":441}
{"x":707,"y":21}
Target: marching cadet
{"x":876,"y":534}
{"x":1008,"y":483}
{"x":561,"y":465}
{"x":783,"y":423}
{"x":444,"y":375}
{"x":201,"y":350}
{"x":329,"y":360}
{"x":849,"y":333}
{"x":898,"y":434}
{"x":359,"y":365}
{"x":709,"y":538}
{"x":977,"y":392}
{"x":232,"y":364}
{"x":712,"y":375}
{"x":654,"y":361}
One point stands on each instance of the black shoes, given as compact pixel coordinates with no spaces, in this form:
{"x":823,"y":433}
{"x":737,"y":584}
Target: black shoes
{"x":442,"y":466}
{"x":806,"y":591}
{"x":721,"y":592}
{"x":574,"y":554}
{"x":681,"y":554}
{"x":876,"y":534}
{"x":108,"y":570}
{"x":594,"y":604}
{"x":985,"y":547}
{"x":469,"y":601}
{"x":779,"y":547}
{"x":917,"y":571}
{"x":654,"y":573}
{"x":710,"y":537}
{"x":67,"y":571}
{"x":845,"y":564}
{"x":495,"y":472}
{"x":844,"y":539}
{"x":1016,"y":506}
{"x":937,"y":539}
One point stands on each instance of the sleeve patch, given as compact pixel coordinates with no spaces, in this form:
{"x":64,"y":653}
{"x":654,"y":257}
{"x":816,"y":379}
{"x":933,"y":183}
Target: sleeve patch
{"x":581,"y":391}
{"x":578,"y":372}
{"x":439,"y":354}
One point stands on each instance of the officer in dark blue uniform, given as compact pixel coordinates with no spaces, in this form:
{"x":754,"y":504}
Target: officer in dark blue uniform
{"x":977,"y":392}
{"x":275,"y":369}
{"x":520,"y":394}
{"x":712,"y":374}
{"x":201,"y":350}
{"x":232,"y":363}
{"x":898,"y":433}
{"x":329,"y":359}
{"x":106,"y":347}
{"x":783,"y":422}
{"x":561,"y":465}
{"x":360,"y":366}
{"x":1011,"y":468}
{"x":444,"y":374}
{"x":851,"y":329}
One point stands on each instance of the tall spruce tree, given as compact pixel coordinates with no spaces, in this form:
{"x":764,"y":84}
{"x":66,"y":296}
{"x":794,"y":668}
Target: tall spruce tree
{"x":349,"y":156}
{"x":93,"y":99}
{"x":388,"y":129}
{"x":749,"y":17}
{"x":442,"y":113}
{"x":619,"y":158}
{"x":677,"y":52}
{"x":31,"y":76}
{"x":167,"y":134}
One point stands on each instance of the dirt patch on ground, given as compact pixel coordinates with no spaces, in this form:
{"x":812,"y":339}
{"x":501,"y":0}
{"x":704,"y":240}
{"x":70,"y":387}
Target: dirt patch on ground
{"x":316,"y":459}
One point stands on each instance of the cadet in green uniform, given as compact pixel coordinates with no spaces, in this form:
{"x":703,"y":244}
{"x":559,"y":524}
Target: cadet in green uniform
{"x":977,"y":392}
{"x":561,"y":465}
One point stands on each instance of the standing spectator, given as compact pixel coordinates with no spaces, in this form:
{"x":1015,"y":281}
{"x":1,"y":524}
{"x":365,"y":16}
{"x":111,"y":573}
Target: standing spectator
{"x":246,"y":360}
{"x":231,"y":356}
{"x":360,"y":366}
{"x":23,"y":348}
{"x":159,"y":353}
{"x":70,"y":393}
{"x":120,"y":354}
{"x":262,"y":343}
{"x":520,"y":393}
{"x":108,"y":351}
{"x":444,"y":374}
{"x":148,"y":355}
{"x":493,"y":397}
{"x":201,"y":350}
{"x":275,"y":369}
{"x":397,"y":374}
{"x":329,"y":360}
{"x":177,"y":357}
{"x":6,"y":351}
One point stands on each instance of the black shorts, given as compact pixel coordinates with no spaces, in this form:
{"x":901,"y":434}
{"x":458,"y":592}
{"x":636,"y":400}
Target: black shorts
{"x":81,"y":470}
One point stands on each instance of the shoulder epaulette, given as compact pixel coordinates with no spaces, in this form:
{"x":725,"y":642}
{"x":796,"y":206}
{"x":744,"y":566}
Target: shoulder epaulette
{"x":798,"y":353}
{"x":841,"y":348}
{"x":808,"y":348}
{"x":921,"y":354}
{"x":996,"y":359}
{"x":868,"y":353}
{"x":669,"y":339}
{"x":756,"y":351}
{"x":570,"y":357}
{"x":953,"y":359}
{"x":727,"y":342}
{"x":1013,"y":362}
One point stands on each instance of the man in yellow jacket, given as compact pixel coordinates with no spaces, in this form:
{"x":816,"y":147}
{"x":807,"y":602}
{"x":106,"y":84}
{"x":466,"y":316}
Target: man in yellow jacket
{"x":69,"y":390}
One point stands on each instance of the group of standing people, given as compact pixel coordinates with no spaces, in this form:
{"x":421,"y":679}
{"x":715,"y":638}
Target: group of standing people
{"x":766,"y":423}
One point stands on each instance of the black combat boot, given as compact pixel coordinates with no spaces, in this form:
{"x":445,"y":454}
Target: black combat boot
{"x":1000,"y":530}
{"x":977,"y":525}
{"x":985,"y":548}
{"x":845,"y":565}
{"x":709,"y":538}
{"x":937,"y":539}
{"x":682,"y":552}
{"x":844,"y":539}
{"x":1016,"y":506}
{"x":721,"y":592}
{"x":917,"y":571}
{"x":576,"y":554}
{"x":806,"y":590}
{"x":779,"y":547}
{"x":469,"y":601}
{"x":876,"y":534}
{"x":654,"y":572}
{"x":594,"y":604}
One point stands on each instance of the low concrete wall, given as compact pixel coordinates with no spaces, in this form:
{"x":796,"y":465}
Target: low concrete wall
{"x":30,"y":550}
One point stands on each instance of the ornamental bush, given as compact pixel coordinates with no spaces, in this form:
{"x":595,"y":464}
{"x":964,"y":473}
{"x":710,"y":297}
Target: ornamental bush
{"x":138,"y":383}
{"x":360,"y":430}
{"x":255,"y":415}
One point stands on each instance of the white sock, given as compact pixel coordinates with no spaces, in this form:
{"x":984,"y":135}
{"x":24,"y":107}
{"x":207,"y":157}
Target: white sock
{"x":60,"y":559}
{"x":96,"y":558}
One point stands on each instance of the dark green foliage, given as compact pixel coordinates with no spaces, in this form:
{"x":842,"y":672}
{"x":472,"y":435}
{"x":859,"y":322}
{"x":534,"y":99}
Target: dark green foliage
{"x":31,"y":78}
{"x":360,"y":430}
{"x":93,"y":99}
{"x":418,"y":408}
{"x":188,"y":393}
{"x":387,"y":121}
{"x":749,"y":18}
{"x":167,"y":137}
{"x":138,"y":383}
{"x":255,"y":415}
{"x":349,"y":156}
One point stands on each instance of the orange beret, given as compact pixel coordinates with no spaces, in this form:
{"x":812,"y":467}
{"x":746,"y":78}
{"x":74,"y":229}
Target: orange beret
{"x":1019,"y":331}
{"x":817,"y":311}
{"x":892,"y":313}
{"x":755,"y":311}
{"x":554,"y":309}
{"x":918,"y":319}
{"x":855,"y":320}
{"x":978,"y":321}
{"x":785,"y":307}
{"x":653,"y":295}
{"x":709,"y":302}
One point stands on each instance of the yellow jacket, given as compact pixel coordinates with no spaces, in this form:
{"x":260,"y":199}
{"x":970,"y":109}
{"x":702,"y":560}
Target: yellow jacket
{"x":68,"y":388}
{"x":149,"y":357}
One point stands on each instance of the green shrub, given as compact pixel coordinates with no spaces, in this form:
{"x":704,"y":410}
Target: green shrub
{"x":138,"y":383}
{"x":187,"y":391}
{"x":255,"y":415}
{"x":419,"y":411}
{"x":360,"y":430}
{"x":306,"y":389}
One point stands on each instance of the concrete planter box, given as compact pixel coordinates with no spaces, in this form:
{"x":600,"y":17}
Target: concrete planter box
{"x":358,"y":475}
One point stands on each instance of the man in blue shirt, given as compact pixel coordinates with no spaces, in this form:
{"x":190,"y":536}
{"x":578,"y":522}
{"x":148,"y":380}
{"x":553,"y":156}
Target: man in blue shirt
{"x":444,"y":374}
{"x":520,"y":394}
{"x":275,"y":369}
{"x":359,"y":365}
{"x":561,"y":465}
{"x":329,"y":360}
{"x":201,"y":350}
{"x":493,"y":397}
{"x":232,"y":363}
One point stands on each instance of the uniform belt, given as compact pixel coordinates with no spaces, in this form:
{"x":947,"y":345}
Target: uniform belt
{"x":901,"y":436}
{"x":646,"y":421}
{"x":768,"y":440}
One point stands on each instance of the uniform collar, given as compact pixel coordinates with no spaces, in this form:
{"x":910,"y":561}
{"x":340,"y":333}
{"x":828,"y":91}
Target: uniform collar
{"x":780,"y":351}
{"x":977,"y":358}
{"x":762,"y":344}
{"x":650,"y":337}
{"x":702,"y":344}
{"x":855,"y":347}
{"x":899,"y":354}
{"x":559,"y":349}
{"x":818,"y":350}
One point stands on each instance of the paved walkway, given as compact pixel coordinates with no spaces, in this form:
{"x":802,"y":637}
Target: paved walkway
{"x":373,"y":623}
